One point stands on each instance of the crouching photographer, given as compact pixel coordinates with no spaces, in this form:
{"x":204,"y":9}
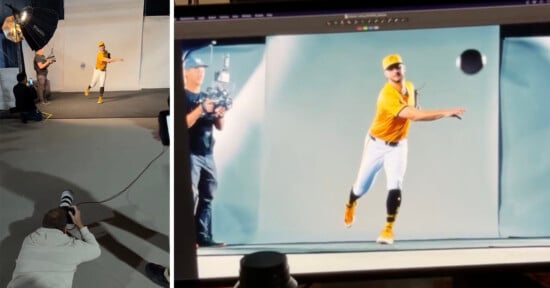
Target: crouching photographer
{"x":49,"y":256}
{"x":25,"y":95}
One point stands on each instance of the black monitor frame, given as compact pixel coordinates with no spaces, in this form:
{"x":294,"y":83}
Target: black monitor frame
{"x":257,"y":20}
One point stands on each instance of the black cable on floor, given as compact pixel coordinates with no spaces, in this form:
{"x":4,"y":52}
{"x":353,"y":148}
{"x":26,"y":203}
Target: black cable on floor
{"x":129,"y":185}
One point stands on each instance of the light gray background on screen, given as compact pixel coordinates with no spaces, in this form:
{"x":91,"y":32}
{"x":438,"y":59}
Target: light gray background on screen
{"x":525,"y":137}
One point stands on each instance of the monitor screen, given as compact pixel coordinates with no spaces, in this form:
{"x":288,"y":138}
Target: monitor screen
{"x":454,"y":161}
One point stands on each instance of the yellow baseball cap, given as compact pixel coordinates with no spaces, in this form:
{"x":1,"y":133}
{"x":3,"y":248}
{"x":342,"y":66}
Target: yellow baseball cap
{"x":100,"y":43}
{"x":390,"y":60}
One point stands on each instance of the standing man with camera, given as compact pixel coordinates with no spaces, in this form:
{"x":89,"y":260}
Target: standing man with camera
{"x":49,"y":256}
{"x":41,"y":64}
{"x":202,"y":116}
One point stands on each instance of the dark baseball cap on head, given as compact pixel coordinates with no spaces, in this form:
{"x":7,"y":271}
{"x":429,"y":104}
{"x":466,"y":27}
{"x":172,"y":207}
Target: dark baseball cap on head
{"x":193,"y":63}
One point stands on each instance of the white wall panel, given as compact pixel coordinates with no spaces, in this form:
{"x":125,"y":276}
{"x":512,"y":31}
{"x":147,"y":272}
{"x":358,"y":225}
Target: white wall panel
{"x":155,"y":58}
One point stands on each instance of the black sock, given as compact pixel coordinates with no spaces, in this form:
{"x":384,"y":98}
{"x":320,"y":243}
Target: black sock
{"x":352,"y":197}
{"x":393,"y":203}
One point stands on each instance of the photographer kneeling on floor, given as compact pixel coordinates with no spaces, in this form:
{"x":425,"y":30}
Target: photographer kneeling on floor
{"x":25,"y":96}
{"x":49,"y":256}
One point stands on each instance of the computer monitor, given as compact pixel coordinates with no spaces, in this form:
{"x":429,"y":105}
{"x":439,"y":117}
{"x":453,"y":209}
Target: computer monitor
{"x":303,"y":83}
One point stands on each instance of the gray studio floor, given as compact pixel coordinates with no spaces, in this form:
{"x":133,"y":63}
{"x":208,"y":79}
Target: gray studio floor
{"x":96,"y":158}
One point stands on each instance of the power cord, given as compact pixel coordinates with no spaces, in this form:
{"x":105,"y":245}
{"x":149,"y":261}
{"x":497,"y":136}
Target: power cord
{"x":127,"y":186}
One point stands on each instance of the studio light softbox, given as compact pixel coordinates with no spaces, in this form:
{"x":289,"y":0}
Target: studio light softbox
{"x":39,"y":26}
{"x":36,"y":24}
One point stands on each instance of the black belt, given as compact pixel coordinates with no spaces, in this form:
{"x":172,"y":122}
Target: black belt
{"x":391,"y":144}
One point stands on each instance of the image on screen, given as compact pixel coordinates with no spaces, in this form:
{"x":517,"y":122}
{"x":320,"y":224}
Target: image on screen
{"x":293,"y":140}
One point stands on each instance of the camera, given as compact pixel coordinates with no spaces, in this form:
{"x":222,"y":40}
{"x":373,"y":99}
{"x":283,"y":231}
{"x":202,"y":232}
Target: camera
{"x":219,"y":91}
{"x":51,"y":57}
{"x":219,"y":96}
{"x":65,"y":202}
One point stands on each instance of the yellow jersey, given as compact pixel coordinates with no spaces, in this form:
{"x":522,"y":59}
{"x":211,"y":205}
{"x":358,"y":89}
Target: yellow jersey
{"x":99,"y":64}
{"x":386,"y":125}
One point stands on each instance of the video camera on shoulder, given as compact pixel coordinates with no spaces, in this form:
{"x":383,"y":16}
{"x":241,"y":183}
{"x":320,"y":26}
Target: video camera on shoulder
{"x":66,"y":202}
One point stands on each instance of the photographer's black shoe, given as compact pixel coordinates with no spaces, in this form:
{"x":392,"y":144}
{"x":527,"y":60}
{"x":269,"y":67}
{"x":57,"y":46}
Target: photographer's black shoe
{"x":210,"y":243}
{"x":155,"y":273}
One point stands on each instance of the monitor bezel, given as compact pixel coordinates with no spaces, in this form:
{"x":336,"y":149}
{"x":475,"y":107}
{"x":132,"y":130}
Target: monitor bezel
{"x":215,"y":21}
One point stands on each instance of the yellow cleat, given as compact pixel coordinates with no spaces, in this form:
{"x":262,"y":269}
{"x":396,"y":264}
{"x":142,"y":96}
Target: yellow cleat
{"x":349,"y":214}
{"x":100,"y":100}
{"x":86,"y":92}
{"x":386,"y":236}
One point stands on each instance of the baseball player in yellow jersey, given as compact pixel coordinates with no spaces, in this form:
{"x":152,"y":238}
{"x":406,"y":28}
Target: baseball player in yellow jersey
{"x":103,"y":57}
{"x":386,"y":142}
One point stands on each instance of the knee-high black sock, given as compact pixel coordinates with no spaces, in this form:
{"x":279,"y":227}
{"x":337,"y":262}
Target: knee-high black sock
{"x":101,"y":90}
{"x":392,"y":204}
{"x":352,"y":197}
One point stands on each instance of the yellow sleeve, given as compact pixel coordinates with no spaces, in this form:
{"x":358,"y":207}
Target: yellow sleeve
{"x":391,"y":101}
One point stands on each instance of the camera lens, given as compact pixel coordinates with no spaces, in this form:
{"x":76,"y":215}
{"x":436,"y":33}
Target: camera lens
{"x":65,"y":202}
{"x":66,"y":199}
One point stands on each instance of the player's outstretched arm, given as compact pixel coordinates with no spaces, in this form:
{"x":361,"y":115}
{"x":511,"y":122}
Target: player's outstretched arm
{"x":414,"y":114}
{"x":114,"y":59}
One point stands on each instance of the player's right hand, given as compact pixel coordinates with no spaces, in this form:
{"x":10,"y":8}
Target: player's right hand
{"x":455,"y":112}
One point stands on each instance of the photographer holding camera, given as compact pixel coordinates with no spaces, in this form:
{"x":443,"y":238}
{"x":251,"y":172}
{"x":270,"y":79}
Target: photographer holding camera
{"x":49,"y":256}
{"x":202,"y":115}
{"x":25,"y":96}
{"x":41,"y":64}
